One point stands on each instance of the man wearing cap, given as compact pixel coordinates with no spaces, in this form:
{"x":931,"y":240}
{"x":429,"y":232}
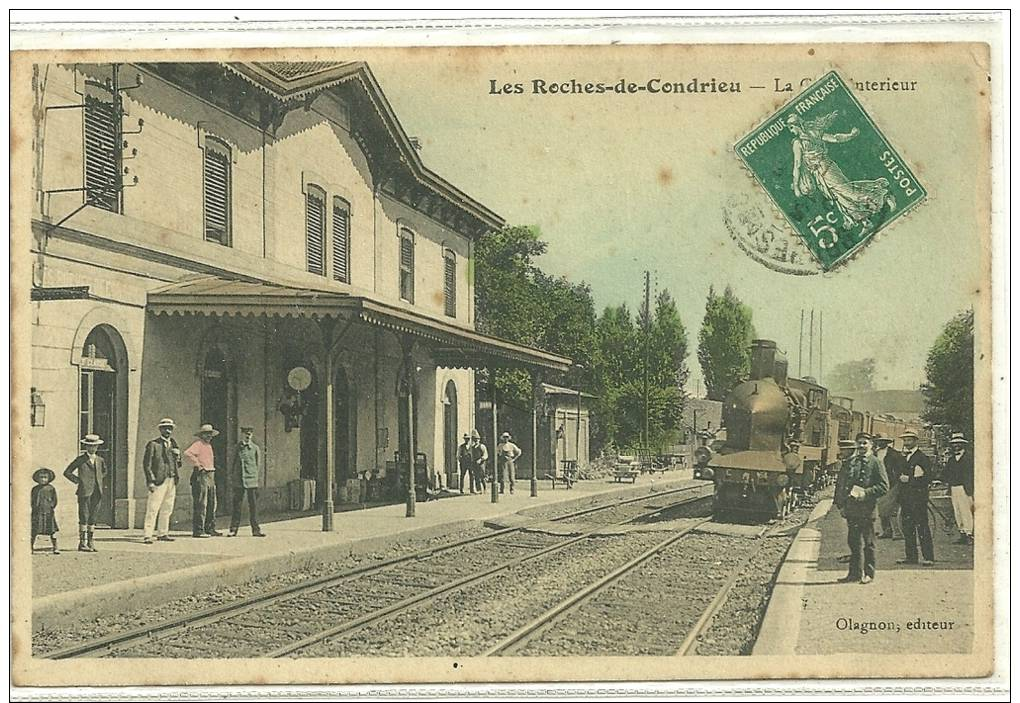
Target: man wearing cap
{"x":88,"y":470}
{"x":466,"y":464}
{"x":889,"y":504}
{"x":244,"y":476}
{"x":861,"y":483}
{"x":959,"y":476}
{"x":846,"y":450}
{"x":507,"y":454}
{"x":203,"y":483}
{"x":161,"y":465}
{"x":914,"y":480}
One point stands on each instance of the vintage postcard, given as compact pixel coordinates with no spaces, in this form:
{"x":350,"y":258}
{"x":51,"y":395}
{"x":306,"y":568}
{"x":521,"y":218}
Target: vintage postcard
{"x":611,"y":361}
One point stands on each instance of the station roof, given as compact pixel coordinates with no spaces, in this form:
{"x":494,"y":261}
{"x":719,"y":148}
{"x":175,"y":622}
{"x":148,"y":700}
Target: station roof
{"x":452,"y":346}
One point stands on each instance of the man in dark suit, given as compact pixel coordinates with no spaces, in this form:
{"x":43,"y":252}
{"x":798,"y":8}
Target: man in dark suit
{"x":88,"y":470}
{"x":161,"y":465}
{"x":959,"y":476}
{"x":889,"y":504}
{"x":861,"y":483}
{"x":914,"y":481}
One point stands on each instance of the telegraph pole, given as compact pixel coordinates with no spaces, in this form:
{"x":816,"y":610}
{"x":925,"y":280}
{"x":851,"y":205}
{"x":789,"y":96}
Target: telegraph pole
{"x":647,"y":326}
{"x":811,"y":344}
{"x":819,"y":346}
{"x":800,"y":347}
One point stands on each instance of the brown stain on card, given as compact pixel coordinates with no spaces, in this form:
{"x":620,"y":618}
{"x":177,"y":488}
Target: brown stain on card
{"x":664,"y":176}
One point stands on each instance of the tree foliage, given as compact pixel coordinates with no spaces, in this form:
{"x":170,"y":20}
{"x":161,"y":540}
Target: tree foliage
{"x":517,"y":301}
{"x":949,"y":388}
{"x":724,"y":343}
{"x":853,"y":376}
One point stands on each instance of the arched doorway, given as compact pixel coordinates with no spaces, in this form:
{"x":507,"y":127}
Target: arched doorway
{"x":102,"y":410}
{"x":450,"y":435}
{"x":217,"y":410}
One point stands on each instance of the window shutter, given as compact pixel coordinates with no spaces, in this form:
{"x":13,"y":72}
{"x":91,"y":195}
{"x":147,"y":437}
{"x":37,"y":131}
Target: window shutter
{"x":407,"y":268}
{"x":315,"y":232}
{"x":341,"y":243}
{"x":450,"y":285}
{"x":217,"y":196}
{"x":102,"y":176}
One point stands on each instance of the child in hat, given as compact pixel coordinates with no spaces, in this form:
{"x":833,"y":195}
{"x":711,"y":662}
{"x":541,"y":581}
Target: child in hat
{"x":44,"y":501}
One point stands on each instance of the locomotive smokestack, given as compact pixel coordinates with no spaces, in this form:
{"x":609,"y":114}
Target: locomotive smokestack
{"x":763,"y":359}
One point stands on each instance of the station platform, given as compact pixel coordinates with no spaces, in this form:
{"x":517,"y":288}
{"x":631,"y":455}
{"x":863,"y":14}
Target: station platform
{"x":907,"y":609}
{"x":126,"y":574}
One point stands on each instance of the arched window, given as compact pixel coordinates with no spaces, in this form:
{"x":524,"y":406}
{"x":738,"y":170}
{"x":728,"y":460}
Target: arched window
{"x":216,"y":191}
{"x":450,"y":283}
{"x":341,"y":240}
{"x":406,"y":264}
{"x":315,"y":229}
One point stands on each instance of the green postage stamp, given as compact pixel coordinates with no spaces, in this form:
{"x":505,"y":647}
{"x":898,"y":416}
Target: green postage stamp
{"x":830,"y":170}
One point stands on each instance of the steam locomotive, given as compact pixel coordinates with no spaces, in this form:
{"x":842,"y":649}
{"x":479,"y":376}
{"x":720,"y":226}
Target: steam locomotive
{"x":782,"y":438}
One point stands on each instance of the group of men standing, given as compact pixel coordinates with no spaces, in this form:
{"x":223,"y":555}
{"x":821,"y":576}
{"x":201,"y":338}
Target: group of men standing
{"x":473,"y":457}
{"x":162,"y":463}
{"x":876,"y":480}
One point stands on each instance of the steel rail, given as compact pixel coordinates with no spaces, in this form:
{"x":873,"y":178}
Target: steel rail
{"x":687,"y":647}
{"x":521,"y":637}
{"x":701,"y":626}
{"x":212,"y":614}
{"x":382,"y":614}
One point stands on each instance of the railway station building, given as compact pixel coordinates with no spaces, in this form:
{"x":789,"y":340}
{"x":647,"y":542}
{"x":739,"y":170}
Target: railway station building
{"x":249,"y":244}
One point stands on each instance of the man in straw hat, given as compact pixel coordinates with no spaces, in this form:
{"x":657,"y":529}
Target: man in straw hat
{"x":203,"y":482}
{"x":889,"y":504}
{"x":88,"y":470}
{"x":507,"y":454}
{"x":860,"y":484}
{"x":479,"y":455}
{"x":914,"y":481}
{"x":161,"y":465}
{"x":466,"y":465}
{"x":959,"y":476}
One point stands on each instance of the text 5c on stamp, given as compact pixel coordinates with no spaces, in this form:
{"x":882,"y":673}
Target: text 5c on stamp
{"x":829,"y":169}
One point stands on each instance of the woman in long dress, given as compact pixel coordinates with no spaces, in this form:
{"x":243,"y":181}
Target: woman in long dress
{"x":813,"y":169}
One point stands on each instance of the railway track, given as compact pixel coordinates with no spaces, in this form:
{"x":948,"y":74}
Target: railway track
{"x":544,"y":634}
{"x":289,"y":620}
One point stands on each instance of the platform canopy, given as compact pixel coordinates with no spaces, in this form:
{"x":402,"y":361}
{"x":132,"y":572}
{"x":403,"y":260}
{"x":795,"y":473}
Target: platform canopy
{"x":451,"y":345}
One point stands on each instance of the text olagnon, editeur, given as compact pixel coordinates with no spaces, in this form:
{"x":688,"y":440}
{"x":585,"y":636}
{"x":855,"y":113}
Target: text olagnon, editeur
{"x":621,"y":86}
{"x":915,"y":625}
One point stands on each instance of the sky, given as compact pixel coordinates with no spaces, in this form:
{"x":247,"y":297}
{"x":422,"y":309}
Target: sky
{"x":623,"y":184}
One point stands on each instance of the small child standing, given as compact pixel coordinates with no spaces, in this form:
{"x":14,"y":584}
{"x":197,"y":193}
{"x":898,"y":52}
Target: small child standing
{"x":44,"y":500}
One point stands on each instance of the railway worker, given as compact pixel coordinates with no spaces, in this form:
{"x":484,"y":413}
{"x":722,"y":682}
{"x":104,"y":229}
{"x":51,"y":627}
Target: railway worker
{"x":889,"y":504}
{"x":161,"y":465}
{"x":466,"y":465}
{"x":203,"y":482}
{"x":244,"y":477}
{"x":846,"y":450}
{"x":914,"y":481}
{"x":862,"y":482}
{"x":88,"y":470}
{"x":959,"y":476}
{"x":507,"y":454}
{"x":480,"y":456}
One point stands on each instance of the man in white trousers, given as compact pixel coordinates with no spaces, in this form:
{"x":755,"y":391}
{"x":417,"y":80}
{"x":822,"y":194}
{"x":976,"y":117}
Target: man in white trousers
{"x":161,"y":465}
{"x":959,"y":476}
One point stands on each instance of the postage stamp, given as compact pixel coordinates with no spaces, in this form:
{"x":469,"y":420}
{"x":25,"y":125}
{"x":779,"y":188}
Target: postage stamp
{"x":830,"y":170}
